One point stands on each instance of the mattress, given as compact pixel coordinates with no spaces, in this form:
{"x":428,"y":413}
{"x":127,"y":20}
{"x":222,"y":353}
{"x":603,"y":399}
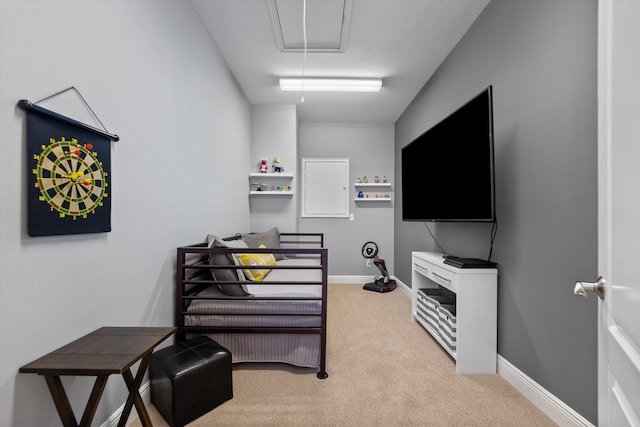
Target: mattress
{"x":269,"y":287}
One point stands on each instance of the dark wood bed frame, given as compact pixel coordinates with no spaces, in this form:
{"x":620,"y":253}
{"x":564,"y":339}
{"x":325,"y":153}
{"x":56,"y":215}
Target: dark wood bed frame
{"x":193,"y":274}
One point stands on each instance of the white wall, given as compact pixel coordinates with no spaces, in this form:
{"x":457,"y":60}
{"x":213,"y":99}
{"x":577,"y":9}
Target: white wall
{"x":151,"y":73}
{"x":274,"y":132}
{"x":370,"y":150}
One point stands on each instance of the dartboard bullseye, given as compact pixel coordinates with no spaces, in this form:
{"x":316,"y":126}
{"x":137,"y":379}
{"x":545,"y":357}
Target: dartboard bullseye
{"x":70,"y":178}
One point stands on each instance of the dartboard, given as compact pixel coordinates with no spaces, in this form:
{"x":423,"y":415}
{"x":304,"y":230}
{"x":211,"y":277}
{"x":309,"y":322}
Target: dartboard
{"x":70,"y":178}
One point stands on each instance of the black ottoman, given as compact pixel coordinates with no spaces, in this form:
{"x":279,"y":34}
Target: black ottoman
{"x":189,"y":379}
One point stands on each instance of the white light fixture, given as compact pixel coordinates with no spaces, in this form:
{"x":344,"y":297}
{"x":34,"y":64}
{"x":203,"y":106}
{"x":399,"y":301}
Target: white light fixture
{"x":330,"y":85}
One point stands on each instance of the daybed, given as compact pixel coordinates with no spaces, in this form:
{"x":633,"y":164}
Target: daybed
{"x":274,"y":311}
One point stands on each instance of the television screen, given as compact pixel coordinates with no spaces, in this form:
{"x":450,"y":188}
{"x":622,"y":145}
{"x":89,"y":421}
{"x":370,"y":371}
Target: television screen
{"x":448,"y":171}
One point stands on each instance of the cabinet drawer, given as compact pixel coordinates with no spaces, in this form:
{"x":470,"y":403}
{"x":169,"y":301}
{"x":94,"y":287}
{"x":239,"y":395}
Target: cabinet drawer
{"x":421,"y":266}
{"x":443,"y":277}
{"x":436,"y":273}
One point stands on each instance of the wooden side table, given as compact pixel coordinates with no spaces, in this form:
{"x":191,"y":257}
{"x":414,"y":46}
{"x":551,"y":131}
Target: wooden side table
{"x":105,"y":351}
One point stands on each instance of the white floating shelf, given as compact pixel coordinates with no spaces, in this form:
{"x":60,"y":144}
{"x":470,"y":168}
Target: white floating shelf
{"x":373,"y":184}
{"x":271,"y":193}
{"x":270,"y":175}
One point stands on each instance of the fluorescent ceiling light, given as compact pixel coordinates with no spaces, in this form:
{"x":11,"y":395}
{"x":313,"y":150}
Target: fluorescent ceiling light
{"x":330,"y":85}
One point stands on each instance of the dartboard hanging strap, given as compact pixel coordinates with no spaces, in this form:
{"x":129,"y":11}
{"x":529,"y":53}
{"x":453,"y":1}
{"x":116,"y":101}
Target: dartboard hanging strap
{"x":29,"y":106}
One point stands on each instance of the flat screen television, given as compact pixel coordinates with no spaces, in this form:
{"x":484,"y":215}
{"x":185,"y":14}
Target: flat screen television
{"x":448,"y":171}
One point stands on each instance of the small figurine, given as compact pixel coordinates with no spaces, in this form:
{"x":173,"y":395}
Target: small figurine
{"x":277,"y":166}
{"x":360,"y":195}
{"x":376,"y":179}
{"x":365,"y":180}
{"x":384,"y":179}
{"x":359,"y":181}
{"x":263,"y":166}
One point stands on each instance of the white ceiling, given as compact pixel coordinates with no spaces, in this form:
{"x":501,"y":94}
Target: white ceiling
{"x":401,"y":41}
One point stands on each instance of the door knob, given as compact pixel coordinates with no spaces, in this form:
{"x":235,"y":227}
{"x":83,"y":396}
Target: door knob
{"x":597,"y":287}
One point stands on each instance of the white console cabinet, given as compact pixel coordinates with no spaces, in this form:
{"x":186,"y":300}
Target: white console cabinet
{"x":475,"y":322}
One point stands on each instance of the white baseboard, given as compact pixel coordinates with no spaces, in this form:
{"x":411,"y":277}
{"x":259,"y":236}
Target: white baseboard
{"x":403,"y":287}
{"x":361,"y":280}
{"x":350,"y":280}
{"x":553,"y":407}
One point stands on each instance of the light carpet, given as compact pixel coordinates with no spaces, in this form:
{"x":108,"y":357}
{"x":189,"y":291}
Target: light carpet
{"x":384,"y":370}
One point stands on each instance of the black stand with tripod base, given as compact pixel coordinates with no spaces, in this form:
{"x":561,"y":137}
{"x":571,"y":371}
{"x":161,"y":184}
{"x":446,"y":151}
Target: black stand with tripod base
{"x":380,"y":285}
{"x":384,"y":282}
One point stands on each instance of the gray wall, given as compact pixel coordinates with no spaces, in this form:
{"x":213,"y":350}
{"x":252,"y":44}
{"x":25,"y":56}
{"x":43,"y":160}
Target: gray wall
{"x":540,"y":57}
{"x":177,"y":111}
{"x":370,"y":151}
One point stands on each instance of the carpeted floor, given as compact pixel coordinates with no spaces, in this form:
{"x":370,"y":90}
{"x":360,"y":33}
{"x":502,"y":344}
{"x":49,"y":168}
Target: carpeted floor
{"x":384,"y":370}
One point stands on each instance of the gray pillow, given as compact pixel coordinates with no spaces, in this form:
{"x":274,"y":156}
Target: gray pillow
{"x":223,"y":274}
{"x":271,"y":239}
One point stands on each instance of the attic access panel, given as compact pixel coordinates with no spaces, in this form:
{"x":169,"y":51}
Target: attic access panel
{"x":327,"y":24}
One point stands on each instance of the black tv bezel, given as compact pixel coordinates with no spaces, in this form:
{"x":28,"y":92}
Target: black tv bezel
{"x":427,"y":218}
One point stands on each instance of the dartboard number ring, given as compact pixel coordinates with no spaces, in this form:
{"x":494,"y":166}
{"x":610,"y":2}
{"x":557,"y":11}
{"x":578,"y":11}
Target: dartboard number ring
{"x":70,"y":178}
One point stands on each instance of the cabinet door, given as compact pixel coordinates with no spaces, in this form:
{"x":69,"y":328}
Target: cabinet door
{"x":324,"y":188}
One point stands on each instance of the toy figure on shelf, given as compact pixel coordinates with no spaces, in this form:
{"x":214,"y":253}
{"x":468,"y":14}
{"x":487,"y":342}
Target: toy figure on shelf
{"x":277,"y":166}
{"x":384,"y":179}
{"x":376,"y":179}
{"x":263,"y":166}
{"x":365,"y":180}
{"x":359,"y":181}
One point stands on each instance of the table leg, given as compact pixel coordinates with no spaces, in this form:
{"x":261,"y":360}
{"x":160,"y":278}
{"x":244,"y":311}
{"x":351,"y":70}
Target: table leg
{"x":134,"y":394}
{"x":61,"y":401}
{"x":94,"y":399}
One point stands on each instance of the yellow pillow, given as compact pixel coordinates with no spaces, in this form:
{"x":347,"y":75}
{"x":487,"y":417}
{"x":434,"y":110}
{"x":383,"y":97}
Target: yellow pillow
{"x":257,"y":259}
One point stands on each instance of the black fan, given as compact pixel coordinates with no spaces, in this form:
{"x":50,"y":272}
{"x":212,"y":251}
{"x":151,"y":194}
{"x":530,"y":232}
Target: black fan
{"x":382,"y":283}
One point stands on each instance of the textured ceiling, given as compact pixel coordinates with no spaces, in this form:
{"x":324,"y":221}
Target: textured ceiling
{"x":401,"y":41}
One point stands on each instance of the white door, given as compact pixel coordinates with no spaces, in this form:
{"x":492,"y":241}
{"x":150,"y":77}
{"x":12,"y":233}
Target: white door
{"x":619,"y":212}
